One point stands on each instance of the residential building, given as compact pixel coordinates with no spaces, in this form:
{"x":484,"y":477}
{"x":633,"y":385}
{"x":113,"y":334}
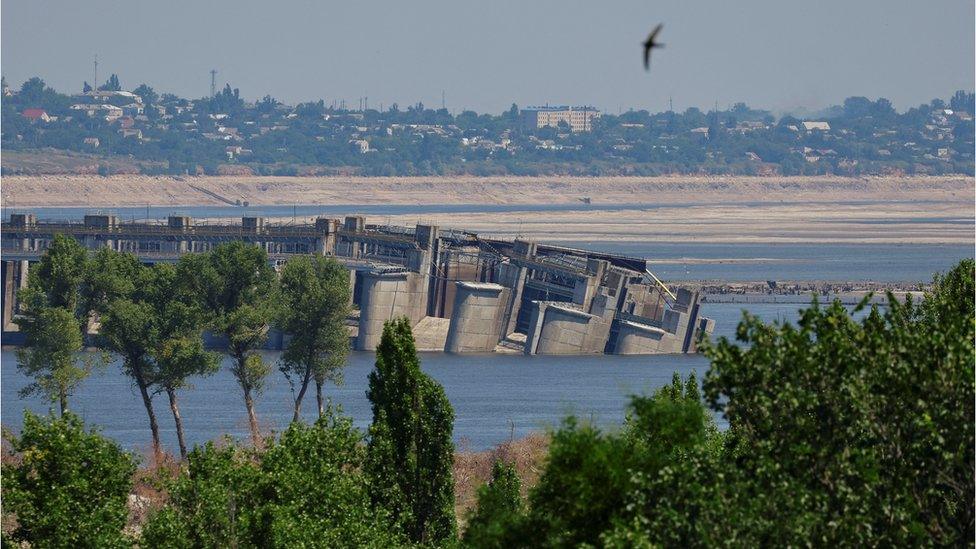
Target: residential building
{"x":36,"y":114}
{"x":579,"y":119}
{"x":816,"y":126}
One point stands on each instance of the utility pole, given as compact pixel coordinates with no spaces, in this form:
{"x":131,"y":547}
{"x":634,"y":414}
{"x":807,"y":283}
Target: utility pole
{"x":213,"y":83}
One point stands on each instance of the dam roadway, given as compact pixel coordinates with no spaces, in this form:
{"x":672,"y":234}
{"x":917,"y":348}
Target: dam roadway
{"x":461,"y":292}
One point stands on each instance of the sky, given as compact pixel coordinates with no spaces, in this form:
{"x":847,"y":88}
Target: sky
{"x":782,"y":55}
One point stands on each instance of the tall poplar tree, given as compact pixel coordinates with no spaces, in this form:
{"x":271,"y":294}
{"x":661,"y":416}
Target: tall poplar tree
{"x":410,"y":452}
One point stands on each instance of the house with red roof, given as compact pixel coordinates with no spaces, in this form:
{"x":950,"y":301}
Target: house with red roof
{"x":36,"y":114}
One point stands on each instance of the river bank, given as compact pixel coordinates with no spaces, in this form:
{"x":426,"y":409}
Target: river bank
{"x":904,"y":210}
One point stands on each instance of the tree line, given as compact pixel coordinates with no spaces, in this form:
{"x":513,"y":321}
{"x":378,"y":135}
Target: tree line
{"x":840,"y":432}
{"x":153,"y":318}
{"x":866,"y":137}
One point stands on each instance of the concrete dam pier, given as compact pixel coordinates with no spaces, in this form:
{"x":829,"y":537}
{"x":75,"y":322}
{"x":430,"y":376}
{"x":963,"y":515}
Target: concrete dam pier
{"x":463,"y":293}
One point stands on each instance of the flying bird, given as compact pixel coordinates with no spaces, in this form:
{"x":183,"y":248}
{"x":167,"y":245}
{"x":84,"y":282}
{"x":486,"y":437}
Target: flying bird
{"x":650,"y":44}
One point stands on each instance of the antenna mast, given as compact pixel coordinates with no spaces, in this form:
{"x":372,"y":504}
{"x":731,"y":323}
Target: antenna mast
{"x":95,"y":76}
{"x":213,"y":82}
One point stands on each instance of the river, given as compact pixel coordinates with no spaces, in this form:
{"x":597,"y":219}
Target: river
{"x":491,"y":393}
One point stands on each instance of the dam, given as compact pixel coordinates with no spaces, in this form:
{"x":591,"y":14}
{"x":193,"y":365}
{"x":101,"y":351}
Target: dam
{"x":463,"y":293}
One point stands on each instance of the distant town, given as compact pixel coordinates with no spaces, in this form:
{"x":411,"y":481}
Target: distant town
{"x":109,"y":130}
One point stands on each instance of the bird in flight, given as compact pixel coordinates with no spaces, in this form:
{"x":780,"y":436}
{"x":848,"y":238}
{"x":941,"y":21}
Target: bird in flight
{"x":650,"y":44}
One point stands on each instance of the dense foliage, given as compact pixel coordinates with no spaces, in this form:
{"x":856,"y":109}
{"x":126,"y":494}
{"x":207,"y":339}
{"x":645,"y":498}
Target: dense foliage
{"x":54,"y":308}
{"x":410,"y":452}
{"x":225,"y":134}
{"x":499,"y":504}
{"x":236,"y":286}
{"x":315,"y":300}
{"x":69,"y":488}
{"x":841,"y":432}
{"x":305,"y":490}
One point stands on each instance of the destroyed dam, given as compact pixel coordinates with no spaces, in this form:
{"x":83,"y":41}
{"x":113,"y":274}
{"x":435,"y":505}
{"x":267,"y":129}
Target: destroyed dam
{"x":463,"y":293}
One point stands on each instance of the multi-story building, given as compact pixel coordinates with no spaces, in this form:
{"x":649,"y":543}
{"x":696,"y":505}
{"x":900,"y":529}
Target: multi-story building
{"x":579,"y":119}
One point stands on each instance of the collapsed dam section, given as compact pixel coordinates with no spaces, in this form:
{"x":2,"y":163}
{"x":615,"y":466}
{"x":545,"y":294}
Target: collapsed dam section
{"x":463,"y":293}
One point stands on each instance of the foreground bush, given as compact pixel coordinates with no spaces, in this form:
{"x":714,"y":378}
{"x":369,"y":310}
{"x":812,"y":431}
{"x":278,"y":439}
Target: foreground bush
{"x":841,"y":432}
{"x":306,"y":490}
{"x":69,"y":488}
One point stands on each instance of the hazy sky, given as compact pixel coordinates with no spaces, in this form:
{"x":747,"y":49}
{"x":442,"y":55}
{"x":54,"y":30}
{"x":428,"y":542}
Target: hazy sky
{"x":778,"y":54}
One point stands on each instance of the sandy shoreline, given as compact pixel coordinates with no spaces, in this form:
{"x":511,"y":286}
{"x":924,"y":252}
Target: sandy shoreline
{"x":119,"y":191}
{"x":936,"y":210}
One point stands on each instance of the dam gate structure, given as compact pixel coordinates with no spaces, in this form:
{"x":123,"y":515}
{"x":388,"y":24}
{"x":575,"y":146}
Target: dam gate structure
{"x":463,"y":293}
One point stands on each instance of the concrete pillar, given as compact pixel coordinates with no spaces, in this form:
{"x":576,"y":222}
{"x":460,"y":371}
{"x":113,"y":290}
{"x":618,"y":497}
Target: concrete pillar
{"x":386,"y":295}
{"x":9,"y":289}
{"x":22,"y":275}
{"x":477,"y":317}
{"x":328,"y":229}
{"x":634,"y":338}
{"x":535,"y":327}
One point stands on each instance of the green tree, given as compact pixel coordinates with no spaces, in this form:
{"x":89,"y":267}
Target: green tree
{"x":112,"y":84}
{"x":148,"y":95}
{"x":58,"y":276}
{"x":178,"y":350}
{"x":410,"y":451}
{"x":108,"y":275}
{"x":498,"y":509}
{"x":594,"y":481}
{"x":236,"y":284}
{"x":70,"y":487}
{"x":32,"y":90}
{"x":314,"y":305}
{"x":856,"y":432}
{"x":212,"y":504}
{"x":53,"y":321}
{"x":129,"y":329}
{"x":52,"y":354}
{"x":307,"y":490}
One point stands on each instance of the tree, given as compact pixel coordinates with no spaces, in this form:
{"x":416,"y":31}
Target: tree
{"x":148,"y":95}
{"x":594,"y":480}
{"x":70,"y":487}
{"x":314,"y":305}
{"x":857,"y":432}
{"x":59,"y":274}
{"x":267,"y":105}
{"x":305,"y":490}
{"x":112,"y":84}
{"x":962,"y":101}
{"x":52,"y":354}
{"x":498,"y":509}
{"x":129,"y":330}
{"x":32,"y":90}
{"x":410,"y":451}
{"x":108,"y":275}
{"x":178,"y":350}
{"x":51,"y":320}
{"x":236,"y":284}
{"x":86,"y":87}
